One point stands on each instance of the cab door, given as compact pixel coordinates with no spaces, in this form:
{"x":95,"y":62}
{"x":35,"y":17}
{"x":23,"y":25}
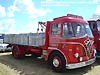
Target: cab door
{"x":55,"y":34}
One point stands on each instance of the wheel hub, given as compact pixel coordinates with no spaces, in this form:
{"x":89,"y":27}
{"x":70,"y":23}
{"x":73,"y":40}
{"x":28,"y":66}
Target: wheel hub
{"x":56,"y":62}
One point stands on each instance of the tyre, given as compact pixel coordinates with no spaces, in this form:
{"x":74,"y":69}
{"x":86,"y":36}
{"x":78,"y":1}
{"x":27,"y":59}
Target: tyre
{"x":16,"y":53}
{"x":57,"y":62}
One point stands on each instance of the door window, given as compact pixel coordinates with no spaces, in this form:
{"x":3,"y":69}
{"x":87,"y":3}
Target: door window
{"x":56,"y":29}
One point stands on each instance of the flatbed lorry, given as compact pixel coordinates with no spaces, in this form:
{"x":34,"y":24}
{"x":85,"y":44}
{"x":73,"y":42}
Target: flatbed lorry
{"x":67,"y":43}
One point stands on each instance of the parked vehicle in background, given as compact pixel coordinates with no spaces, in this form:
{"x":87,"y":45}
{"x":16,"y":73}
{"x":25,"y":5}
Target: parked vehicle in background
{"x":4,"y":48}
{"x":95,"y":27}
{"x":66,"y":43}
{"x":1,"y":38}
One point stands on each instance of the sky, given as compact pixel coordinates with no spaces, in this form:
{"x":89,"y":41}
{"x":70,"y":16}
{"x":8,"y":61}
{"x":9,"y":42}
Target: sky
{"x":22,"y":16}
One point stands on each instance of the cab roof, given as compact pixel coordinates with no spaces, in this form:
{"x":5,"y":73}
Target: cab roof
{"x":70,"y":18}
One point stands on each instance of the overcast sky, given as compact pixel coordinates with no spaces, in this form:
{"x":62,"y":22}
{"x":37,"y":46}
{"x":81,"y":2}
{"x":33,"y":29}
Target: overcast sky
{"x":22,"y":16}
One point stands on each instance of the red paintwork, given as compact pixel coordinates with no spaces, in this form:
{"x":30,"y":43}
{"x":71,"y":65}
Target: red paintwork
{"x":96,"y":35}
{"x":55,"y":42}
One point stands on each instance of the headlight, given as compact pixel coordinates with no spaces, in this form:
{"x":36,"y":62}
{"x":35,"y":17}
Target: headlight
{"x":76,"y":55}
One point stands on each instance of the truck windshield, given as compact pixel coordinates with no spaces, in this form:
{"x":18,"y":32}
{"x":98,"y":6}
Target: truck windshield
{"x":98,"y":26}
{"x":74,"y":29}
{"x":88,"y":30}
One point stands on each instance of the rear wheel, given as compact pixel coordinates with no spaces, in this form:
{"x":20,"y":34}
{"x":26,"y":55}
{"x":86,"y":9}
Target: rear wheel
{"x":57,"y":62}
{"x":16,"y":53}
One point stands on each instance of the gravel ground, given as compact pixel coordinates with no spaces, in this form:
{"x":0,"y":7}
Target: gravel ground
{"x":33,"y":66}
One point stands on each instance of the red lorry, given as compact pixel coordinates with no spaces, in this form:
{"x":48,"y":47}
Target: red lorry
{"x":95,"y":27}
{"x":67,"y":43}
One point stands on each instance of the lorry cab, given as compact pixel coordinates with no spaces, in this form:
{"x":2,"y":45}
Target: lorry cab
{"x":95,"y":27}
{"x":71,"y":37}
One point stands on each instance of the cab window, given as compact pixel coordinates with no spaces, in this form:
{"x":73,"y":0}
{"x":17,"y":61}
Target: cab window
{"x":93,"y":26}
{"x":56,"y":29}
{"x":98,"y":26}
{"x":67,"y":30}
{"x":73,"y":29}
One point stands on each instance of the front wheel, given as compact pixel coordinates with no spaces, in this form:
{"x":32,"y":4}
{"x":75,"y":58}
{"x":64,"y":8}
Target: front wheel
{"x":57,"y":62}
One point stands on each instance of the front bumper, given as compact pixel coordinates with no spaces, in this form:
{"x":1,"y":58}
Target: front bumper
{"x":81,"y":64}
